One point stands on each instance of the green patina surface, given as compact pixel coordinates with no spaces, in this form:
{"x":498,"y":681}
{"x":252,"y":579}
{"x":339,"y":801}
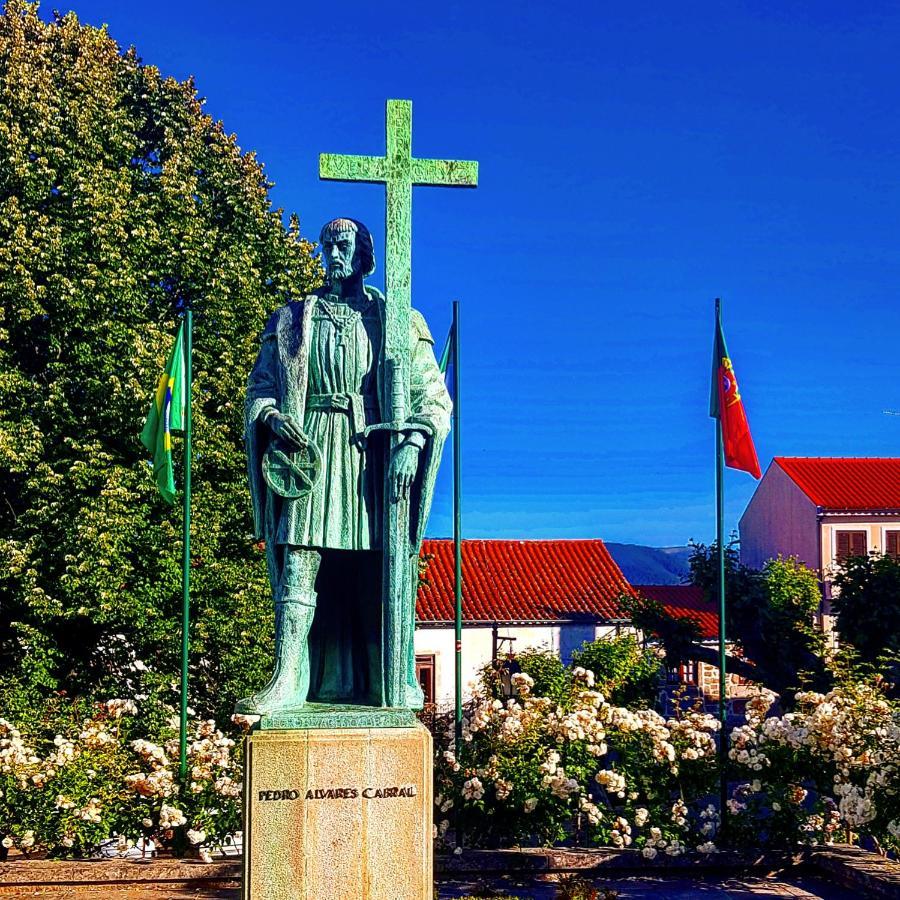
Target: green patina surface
{"x":346,"y":416}
{"x":399,"y":171}
{"x":321,"y":715}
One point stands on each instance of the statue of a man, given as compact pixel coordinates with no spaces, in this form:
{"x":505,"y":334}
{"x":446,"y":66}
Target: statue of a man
{"x":318,"y":483}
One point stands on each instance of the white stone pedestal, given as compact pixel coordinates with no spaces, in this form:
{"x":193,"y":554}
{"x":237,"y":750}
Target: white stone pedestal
{"x":338,"y":814}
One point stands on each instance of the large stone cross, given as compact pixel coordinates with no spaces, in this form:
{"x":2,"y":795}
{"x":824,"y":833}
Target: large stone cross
{"x":398,"y":170}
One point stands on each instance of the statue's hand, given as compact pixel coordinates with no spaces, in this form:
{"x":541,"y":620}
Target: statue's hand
{"x":288,"y":430}
{"x":403,"y":469}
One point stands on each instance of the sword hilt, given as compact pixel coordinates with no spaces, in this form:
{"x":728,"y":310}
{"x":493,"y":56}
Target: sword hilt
{"x":396,"y":395}
{"x":397,"y":427}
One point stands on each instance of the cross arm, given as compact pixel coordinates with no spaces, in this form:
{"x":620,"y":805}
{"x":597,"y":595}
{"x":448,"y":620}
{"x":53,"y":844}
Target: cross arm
{"x":340,"y":167}
{"x":455,"y":172}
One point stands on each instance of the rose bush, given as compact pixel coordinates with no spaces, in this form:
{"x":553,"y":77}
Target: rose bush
{"x":576,"y":768}
{"x":85,"y":773}
{"x":533,"y":769}
{"x":828,"y":768}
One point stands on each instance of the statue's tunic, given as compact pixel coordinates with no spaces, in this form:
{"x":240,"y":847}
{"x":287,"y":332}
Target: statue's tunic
{"x":342,"y":511}
{"x":321,"y":362}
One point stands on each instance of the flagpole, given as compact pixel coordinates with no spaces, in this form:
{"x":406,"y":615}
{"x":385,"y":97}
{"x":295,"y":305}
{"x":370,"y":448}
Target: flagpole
{"x":457,"y":549}
{"x":720,"y":547}
{"x":186,"y":543}
{"x":457,"y":530}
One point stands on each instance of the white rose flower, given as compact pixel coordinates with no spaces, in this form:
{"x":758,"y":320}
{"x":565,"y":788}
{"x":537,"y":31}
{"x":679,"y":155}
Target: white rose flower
{"x":473,"y":789}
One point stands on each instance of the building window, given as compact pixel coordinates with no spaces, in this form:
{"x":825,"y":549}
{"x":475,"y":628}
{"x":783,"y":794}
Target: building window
{"x":688,"y":672}
{"x":684,"y":674}
{"x":892,"y":544}
{"x":425,"y":676}
{"x":850,"y":543}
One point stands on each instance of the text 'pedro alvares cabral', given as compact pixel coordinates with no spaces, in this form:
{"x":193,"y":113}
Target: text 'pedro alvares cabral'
{"x":369,"y":793}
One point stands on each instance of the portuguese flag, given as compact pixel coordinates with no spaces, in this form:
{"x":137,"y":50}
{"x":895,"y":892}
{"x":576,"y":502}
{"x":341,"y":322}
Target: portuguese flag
{"x":726,"y":404}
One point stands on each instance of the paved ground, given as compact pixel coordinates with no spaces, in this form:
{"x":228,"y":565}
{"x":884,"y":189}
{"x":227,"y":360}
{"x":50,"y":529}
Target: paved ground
{"x":800,"y":888}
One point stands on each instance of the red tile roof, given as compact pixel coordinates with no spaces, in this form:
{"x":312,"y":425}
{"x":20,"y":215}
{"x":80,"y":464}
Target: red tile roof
{"x":846,"y":483}
{"x":523,"y":581}
{"x":684,"y":601}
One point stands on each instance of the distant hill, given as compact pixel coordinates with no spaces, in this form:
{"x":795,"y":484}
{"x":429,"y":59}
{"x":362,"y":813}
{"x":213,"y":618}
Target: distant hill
{"x":651,"y":565}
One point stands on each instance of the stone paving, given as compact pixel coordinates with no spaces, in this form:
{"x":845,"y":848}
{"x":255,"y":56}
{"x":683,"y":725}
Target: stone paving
{"x":644,"y":888}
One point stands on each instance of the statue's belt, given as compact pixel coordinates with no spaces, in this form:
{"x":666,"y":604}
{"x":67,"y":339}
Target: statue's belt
{"x":355,"y":405}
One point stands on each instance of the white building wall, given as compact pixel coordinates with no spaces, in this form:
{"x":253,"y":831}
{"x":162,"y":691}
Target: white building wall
{"x":874,"y":528}
{"x":477,"y":647}
{"x":779,"y":518}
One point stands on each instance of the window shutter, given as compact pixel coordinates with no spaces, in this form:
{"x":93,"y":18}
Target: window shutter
{"x":892,"y":543}
{"x":843,"y":545}
{"x":858,"y":543}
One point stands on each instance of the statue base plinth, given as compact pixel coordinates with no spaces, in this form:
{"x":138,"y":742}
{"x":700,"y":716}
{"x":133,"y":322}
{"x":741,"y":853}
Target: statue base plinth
{"x":342,"y":814}
{"x":324,"y":715}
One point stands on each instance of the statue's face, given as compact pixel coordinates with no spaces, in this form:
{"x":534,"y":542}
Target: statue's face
{"x":339,"y":251}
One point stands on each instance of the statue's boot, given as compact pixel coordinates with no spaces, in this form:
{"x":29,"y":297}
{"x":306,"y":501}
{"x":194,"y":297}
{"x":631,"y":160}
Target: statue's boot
{"x":289,"y":686}
{"x":414,"y":698}
{"x":413,"y":695}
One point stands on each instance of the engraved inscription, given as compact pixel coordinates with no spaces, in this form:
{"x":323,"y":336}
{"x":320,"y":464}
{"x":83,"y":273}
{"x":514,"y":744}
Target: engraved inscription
{"x":369,"y":793}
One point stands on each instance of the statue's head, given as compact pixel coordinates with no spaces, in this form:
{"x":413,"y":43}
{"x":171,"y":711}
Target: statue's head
{"x":347,"y":249}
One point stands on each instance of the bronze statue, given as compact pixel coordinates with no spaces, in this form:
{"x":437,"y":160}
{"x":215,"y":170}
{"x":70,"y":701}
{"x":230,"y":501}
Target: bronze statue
{"x":317,"y":425}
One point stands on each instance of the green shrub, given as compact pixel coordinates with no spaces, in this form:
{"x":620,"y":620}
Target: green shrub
{"x":551,"y":678}
{"x":575,"y":768}
{"x":626,"y":673}
{"x":78,"y":774}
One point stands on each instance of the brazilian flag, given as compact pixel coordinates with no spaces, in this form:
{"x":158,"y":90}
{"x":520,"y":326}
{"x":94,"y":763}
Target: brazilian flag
{"x":166,"y":415}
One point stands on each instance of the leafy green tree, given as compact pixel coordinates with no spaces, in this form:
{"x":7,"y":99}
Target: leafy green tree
{"x":551,"y":678}
{"x":121,"y":201}
{"x":867,"y":606}
{"x":626,"y":673}
{"x":769,"y":621}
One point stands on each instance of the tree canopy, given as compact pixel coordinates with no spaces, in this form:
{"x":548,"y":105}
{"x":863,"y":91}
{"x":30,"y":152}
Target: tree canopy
{"x":768,"y":621}
{"x":867,"y":605}
{"x":122,"y":200}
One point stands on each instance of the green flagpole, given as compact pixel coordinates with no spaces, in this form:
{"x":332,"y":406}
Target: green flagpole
{"x":720,"y":541}
{"x":457,"y":529}
{"x":186,"y":543}
{"x":457,"y":548}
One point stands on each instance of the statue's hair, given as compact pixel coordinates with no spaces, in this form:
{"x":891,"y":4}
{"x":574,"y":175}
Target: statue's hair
{"x":365,"y":249}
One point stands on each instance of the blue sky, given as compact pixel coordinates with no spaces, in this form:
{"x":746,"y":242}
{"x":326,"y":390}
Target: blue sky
{"x":637,"y":160}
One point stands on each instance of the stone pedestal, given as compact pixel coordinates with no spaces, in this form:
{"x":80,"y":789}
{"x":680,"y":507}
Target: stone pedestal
{"x":338,"y":814}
